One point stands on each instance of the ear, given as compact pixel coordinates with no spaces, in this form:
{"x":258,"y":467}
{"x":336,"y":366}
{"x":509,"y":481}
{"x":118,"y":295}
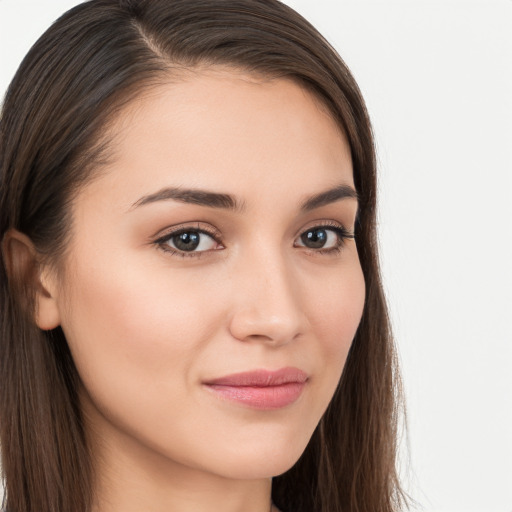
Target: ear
{"x":24,"y":269}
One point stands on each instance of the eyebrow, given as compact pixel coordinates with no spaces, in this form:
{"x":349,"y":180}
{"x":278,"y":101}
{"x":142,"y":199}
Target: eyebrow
{"x":329,"y":196}
{"x":193,"y":196}
{"x":229,"y":202}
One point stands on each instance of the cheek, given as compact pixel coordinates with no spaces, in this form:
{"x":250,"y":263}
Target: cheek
{"x":137,"y":333}
{"x":129,"y":329}
{"x":338,"y":310}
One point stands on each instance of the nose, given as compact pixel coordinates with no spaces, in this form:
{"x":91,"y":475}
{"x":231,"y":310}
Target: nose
{"x":267,"y":303}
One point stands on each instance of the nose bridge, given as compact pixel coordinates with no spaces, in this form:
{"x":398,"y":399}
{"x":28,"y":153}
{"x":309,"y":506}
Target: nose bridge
{"x":267,"y":302}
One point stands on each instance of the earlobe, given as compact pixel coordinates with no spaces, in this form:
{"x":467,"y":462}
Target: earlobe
{"x":29,"y":276}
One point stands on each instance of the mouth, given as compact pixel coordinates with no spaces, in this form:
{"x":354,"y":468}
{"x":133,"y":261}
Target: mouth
{"x":261,"y":389}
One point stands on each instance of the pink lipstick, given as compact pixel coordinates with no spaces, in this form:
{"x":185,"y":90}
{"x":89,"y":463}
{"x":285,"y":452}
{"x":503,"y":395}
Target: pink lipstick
{"x":261,"y":389}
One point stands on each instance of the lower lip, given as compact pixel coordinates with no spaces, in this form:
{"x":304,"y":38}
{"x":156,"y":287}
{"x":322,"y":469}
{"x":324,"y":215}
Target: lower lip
{"x":268,"y":397}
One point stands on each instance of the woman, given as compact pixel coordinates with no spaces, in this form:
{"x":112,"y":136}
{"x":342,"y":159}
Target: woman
{"x":192,"y":315}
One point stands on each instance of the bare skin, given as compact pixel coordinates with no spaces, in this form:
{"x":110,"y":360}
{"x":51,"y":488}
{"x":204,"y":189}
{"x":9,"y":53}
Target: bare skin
{"x":149,"y":322}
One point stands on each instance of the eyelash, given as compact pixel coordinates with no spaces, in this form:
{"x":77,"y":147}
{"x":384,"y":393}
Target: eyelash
{"x":162,"y":242}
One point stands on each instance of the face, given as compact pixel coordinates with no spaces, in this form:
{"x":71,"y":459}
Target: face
{"x":209,"y":247}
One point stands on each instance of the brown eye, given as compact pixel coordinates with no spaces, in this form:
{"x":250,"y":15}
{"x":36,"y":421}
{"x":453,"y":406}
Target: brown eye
{"x":316,"y":238}
{"x":321,"y":238}
{"x":188,"y":241}
{"x":324,"y":239}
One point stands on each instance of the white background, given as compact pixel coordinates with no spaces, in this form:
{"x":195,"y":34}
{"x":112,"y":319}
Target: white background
{"x":437,"y":77}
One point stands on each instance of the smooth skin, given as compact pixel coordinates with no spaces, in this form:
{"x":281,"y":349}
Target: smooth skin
{"x":147,"y":326}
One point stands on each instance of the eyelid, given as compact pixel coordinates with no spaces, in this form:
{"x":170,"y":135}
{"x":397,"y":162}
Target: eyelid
{"x":326,"y":223}
{"x":342,"y":234}
{"x":180,"y":228}
{"x":164,"y":236}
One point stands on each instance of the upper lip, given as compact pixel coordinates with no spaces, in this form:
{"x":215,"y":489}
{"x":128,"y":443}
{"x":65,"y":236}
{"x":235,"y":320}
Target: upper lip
{"x":262,"y":378}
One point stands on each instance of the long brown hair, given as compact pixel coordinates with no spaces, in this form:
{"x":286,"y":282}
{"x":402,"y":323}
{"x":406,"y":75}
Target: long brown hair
{"x":74,"y":80}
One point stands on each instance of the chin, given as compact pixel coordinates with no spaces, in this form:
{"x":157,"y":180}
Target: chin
{"x":259,"y":464}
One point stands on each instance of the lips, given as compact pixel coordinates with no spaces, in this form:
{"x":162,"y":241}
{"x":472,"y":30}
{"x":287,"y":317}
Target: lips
{"x":261,"y":389}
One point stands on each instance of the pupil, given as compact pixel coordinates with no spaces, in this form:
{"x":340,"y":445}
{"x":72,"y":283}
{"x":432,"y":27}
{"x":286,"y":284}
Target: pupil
{"x":315,"y":238}
{"x":187,"y":241}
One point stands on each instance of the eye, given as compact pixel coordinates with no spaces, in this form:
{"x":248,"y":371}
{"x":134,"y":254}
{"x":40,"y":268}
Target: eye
{"x":188,"y":241}
{"x":324,"y":239}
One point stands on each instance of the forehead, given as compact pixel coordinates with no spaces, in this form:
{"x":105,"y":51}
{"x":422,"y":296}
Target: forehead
{"x":226,"y":130}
